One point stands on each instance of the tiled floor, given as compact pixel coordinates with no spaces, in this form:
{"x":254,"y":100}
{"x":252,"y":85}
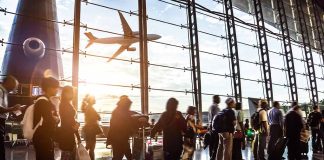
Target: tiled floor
{"x":27,"y":153}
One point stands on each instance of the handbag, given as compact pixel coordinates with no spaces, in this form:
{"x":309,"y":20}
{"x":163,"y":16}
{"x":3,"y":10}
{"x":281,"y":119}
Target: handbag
{"x":238,"y":134}
{"x":82,"y":153}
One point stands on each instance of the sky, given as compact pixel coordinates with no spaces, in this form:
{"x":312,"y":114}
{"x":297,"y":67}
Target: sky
{"x":97,"y":70}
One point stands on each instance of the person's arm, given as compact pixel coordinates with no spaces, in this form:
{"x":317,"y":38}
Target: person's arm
{"x":281,"y":120}
{"x":240,"y":119}
{"x":234,"y":119}
{"x":264,"y":121}
{"x":158,"y":126}
{"x":10,"y":109}
{"x":192,"y":123}
{"x":182,"y":122}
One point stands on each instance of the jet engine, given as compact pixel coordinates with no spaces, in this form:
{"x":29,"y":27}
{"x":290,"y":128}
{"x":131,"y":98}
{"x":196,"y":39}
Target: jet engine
{"x":131,"y":49}
{"x":34,"y":47}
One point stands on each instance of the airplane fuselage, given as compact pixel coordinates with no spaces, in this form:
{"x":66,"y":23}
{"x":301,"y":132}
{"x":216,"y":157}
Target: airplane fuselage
{"x":125,"y":40}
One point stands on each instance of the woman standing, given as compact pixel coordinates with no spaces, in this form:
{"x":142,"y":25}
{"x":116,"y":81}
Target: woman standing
{"x":45,"y":111}
{"x":121,"y":128}
{"x":173,"y":125}
{"x":91,"y":126}
{"x":190,"y":135}
{"x":69,"y":126}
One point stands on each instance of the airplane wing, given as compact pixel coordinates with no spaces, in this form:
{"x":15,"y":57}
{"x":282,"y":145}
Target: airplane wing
{"x":118,"y":52}
{"x":128,"y":33}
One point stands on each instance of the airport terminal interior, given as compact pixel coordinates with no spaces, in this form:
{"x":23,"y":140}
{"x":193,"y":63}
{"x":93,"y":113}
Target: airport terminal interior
{"x":218,"y":64}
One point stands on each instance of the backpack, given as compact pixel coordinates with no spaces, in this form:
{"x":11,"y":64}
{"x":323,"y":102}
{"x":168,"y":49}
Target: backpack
{"x":219,"y":122}
{"x":255,"y":120}
{"x":312,"y":120}
{"x":28,"y":121}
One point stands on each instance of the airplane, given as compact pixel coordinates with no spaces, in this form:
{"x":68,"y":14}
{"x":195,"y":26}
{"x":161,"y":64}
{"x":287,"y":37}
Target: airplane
{"x":125,"y":41}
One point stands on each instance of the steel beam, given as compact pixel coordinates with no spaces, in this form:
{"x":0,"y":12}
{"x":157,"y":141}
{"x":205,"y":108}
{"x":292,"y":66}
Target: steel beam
{"x":288,"y":50}
{"x":194,"y":50}
{"x":264,"y":50}
{"x":308,"y":52}
{"x":76,"y":49}
{"x":319,"y":24}
{"x":232,"y":41}
{"x":143,"y":56}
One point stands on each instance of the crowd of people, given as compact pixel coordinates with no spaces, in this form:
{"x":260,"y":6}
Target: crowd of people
{"x":225,"y":135}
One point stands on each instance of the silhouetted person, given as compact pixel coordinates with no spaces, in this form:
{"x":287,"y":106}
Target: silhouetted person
{"x":121,"y":128}
{"x":314,"y":121}
{"x":262,"y":132}
{"x":172,"y":124}
{"x":44,"y":134}
{"x":9,"y":84}
{"x":293,"y":127}
{"x":91,"y":126}
{"x":213,"y":142}
{"x":275,"y":118}
{"x":238,"y":142}
{"x":225,"y":146}
{"x":69,"y":126}
{"x":190,"y":135}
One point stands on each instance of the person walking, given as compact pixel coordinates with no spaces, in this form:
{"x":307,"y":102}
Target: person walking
{"x":260,"y":125}
{"x":43,"y":138}
{"x":275,"y":118}
{"x":213,"y":140}
{"x":121,"y":128}
{"x":314,"y":121}
{"x":9,"y":84}
{"x":225,"y":146}
{"x":91,"y":127}
{"x":189,"y":145}
{"x":293,"y":127}
{"x":173,"y":124}
{"x":69,"y":126}
{"x":239,"y":136}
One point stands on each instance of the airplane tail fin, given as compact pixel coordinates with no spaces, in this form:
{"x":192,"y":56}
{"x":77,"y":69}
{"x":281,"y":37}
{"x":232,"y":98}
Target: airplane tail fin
{"x":91,"y":38}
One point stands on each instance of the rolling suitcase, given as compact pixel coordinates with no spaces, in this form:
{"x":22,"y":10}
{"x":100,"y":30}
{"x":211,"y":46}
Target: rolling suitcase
{"x":279,"y":149}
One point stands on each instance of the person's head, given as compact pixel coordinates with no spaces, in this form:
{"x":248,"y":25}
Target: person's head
{"x":124,"y":103}
{"x":152,"y":121}
{"x":263,"y":103}
{"x":316,"y":108}
{"x":67,"y":93}
{"x":172,"y":105}
{"x":10,"y":83}
{"x":276,"y":104}
{"x":230,"y":102}
{"x":293,"y":104}
{"x":238,"y":106}
{"x":89,"y":99}
{"x":296,"y":108}
{"x":246,"y":120}
{"x":50,"y":86}
{"x":191,"y":110}
{"x":216,"y":99}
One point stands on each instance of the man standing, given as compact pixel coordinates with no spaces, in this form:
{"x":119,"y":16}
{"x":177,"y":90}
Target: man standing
{"x":293,"y":126}
{"x":275,"y":118}
{"x":225,"y":146}
{"x":314,"y":120}
{"x":213,"y":143}
{"x":261,"y":130}
{"x":9,"y":84}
